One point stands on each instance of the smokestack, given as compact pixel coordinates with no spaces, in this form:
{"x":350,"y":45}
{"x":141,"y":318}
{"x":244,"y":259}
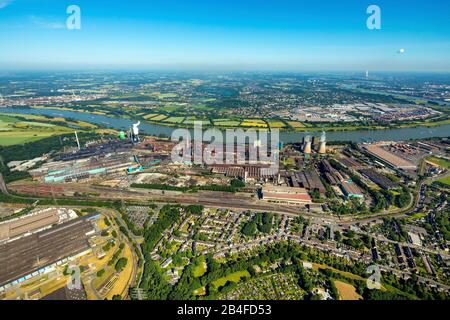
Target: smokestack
{"x":78,"y":141}
{"x":323,"y":143}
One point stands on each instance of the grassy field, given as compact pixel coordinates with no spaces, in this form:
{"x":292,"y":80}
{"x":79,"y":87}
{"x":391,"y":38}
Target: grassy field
{"x":6,"y":121}
{"x":172,"y":108}
{"x":200,"y":269}
{"x":416,"y":216}
{"x":346,"y":291}
{"x":150,"y":116}
{"x":440,"y":162}
{"x":200,"y":291}
{"x":445,"y":181}
{"x":70,"y":109}
{"x":45,"y":120}
{"x":192,"y":120}
{"x":174,"y":120}
{"x":346,"y":274}
{"x":234,"y":277}
{"x":15,"y":131}
{"x":159,"y":117}
{"x":226,"y":123}
{"x":167,"y":96}
{"x":296,"y":125}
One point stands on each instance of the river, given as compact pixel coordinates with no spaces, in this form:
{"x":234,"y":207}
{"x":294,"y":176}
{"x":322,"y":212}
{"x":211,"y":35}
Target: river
{"x":285,"y":137}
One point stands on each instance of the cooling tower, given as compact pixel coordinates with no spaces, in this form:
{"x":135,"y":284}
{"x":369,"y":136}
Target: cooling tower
{"x":323,"y":143}
{"x":308,"y":145}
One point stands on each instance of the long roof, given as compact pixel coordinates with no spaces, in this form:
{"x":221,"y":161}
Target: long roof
{"x":29,"y":254}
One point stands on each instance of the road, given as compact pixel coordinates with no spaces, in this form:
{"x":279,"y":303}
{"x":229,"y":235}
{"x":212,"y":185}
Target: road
{"x":3,"y":187}
{"x":134,"y":274}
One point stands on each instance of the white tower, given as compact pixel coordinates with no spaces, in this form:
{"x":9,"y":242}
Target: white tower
{"x":78,"y":141}
{"x":135,"y":132}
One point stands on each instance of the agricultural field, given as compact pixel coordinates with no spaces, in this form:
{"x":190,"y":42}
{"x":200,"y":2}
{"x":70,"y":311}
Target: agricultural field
{"x":199,"y":107}
{"x":150,"y":116}
{"x":273,"y":124}
{"x":254,"y":123}
{"x":346,"y":291}
{"x":45,"y":120}
{"x":296,"y":125}
{"x":15,"y":131}
{"x":173,"y":107}
{"x":69,"y":109}
{"x":174,"y":120}
{"x":159,"y":117}
{"x":226,"y":123}
{"x":192,"y":120}
{"x":166,"y":95}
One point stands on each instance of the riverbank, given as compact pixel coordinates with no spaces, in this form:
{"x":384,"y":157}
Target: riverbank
{"x":282,"y":125}
{"x":353,"y":134}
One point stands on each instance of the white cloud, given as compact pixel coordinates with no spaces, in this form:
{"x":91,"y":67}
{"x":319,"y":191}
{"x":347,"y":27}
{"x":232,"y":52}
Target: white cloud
{"x":5,"y":3}
{"x":46,"y":24}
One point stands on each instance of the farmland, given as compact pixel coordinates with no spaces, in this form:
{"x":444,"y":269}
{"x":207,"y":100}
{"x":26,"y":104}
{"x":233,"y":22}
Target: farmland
{"x":14,"y":130}
{"x":347,"y":291}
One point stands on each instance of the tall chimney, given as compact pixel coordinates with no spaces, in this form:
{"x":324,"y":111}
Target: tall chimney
{"x":78,"y":141}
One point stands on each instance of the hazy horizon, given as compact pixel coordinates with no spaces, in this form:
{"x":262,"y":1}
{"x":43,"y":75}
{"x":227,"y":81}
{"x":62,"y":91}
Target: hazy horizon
{"x":296,"y":36}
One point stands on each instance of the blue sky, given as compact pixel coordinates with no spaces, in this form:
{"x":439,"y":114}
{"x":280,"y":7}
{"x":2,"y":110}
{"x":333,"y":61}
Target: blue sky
{"x":321,"y":35}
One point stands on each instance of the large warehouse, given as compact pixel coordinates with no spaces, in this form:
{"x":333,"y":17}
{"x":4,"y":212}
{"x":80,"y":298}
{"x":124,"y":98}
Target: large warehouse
{"x":34,"y":222}
{"x":29,"y":256}
{"x":388,"y":157}
{"x":286,"y":194}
